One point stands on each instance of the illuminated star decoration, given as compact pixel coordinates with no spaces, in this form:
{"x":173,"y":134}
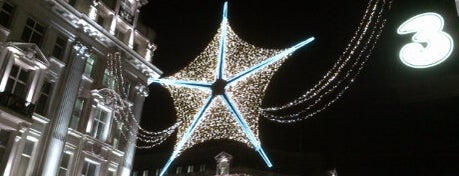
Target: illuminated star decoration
{"x":219,"y":94}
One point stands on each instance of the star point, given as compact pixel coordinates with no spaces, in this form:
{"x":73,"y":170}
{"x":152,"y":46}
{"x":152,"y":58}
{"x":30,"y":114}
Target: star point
{"x":218,"y":95}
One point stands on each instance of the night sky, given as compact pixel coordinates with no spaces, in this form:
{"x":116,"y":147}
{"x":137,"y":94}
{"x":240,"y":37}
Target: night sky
{"x":378,"y":127}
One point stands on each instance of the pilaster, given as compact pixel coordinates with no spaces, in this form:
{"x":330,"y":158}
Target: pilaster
{"x":69,"y":85}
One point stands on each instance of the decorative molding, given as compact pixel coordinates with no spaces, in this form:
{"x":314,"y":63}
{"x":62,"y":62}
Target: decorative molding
{"x":22,"y":127}
{"x":90,"y":28}
{"x":29,"y":54}
{"x":102,"y":97}
{"x":81,"y":50}
{"x":142,"y":90}
{"x":55,"y":69}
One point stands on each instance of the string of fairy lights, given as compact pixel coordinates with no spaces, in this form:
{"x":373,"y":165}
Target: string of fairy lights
{"x":342,"y":74}
{"x":219,"y":94}
{"x":217,"y":122}
{"x":191,"y":88}
{"x":124,"y":118}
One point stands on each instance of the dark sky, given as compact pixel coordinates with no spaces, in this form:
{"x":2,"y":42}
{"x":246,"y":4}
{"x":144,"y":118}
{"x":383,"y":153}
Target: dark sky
{"x":372,"y":128}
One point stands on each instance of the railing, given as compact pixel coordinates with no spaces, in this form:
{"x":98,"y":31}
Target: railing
{"x":16,"y":103}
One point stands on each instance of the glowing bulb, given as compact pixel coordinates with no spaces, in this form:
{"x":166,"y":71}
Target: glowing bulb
{"x":218,"y":95}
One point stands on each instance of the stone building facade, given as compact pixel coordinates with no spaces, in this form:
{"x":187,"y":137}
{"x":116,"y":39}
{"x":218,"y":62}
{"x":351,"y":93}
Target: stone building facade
{"x":53,"y":62}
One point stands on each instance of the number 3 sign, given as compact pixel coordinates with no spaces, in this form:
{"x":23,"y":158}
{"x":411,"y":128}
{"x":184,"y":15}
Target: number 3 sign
{"x":430,"y":44}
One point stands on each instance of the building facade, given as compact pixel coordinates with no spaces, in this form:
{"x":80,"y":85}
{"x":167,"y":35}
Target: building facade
{"x":457,"y":6}
{"x":54,"y":120}
{"x":204,"y":161}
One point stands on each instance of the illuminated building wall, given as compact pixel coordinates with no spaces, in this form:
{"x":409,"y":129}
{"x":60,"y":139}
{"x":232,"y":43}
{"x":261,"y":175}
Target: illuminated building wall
{"x":53,"y":54}
{"x":457,"y":6}
{"x":201,"y":162}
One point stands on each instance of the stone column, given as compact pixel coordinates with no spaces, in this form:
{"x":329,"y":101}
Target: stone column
{"x":17,"y":140}
{"x":6,"y":61}
{"x":67,"y":92}
{"x":141,"y":93}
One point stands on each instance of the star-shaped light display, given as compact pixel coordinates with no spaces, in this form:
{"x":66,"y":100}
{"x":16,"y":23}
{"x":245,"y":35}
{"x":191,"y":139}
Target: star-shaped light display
{"x":219,"y":94}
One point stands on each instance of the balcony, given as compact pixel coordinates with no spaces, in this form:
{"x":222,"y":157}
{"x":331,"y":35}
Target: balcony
{"x":16,"y":103}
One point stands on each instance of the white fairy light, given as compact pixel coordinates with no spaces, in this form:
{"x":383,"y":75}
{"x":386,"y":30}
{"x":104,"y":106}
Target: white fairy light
{"x":123,"y":117}
{"x":218,"y":94}
{"x":343,"y":73}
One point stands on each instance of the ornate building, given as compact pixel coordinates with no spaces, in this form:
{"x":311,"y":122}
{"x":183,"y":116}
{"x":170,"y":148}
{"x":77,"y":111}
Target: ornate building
{"x":457,"y":6}
{"x":54,"y":120}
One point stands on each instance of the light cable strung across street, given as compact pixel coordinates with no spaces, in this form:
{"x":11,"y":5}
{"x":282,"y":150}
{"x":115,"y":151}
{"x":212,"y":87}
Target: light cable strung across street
{"x":343,"y":73}
{"x":217,"y":96}
{"x":124,"y":118}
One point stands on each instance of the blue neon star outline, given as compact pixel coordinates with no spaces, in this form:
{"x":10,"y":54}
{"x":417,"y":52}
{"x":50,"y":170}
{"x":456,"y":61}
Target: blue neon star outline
{"x":227,"y":100}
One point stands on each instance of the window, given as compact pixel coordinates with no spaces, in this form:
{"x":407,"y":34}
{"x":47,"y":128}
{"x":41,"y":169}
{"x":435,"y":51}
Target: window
{"x":100,"y":20}
{"x":90,"y":168}
{"x":202,"y":168}
{"x":109,"y":80}
{"x":178,"y":170}
{"x":145,"y":173}
{"x":119,"y":34}
{"x":4,"y":138}
{"x":26,"y":157}
{"x":157,"y":172}
{"x":59,"y":48}
{"x":89,"y":66}
{"x":72,"y":2}
{"x":135,"y":47}
{"x":42,"y":102}
{"x":33,"y":32}
{"x":190,"y":169}
{"x":110,"y":3}
{"x":6,"y":14}
{"x":65,"y":164}
{"x":17,"y":81}
{"x":77,"y":112}
{"x":125,"y":12}
{"x":100,"y":124}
